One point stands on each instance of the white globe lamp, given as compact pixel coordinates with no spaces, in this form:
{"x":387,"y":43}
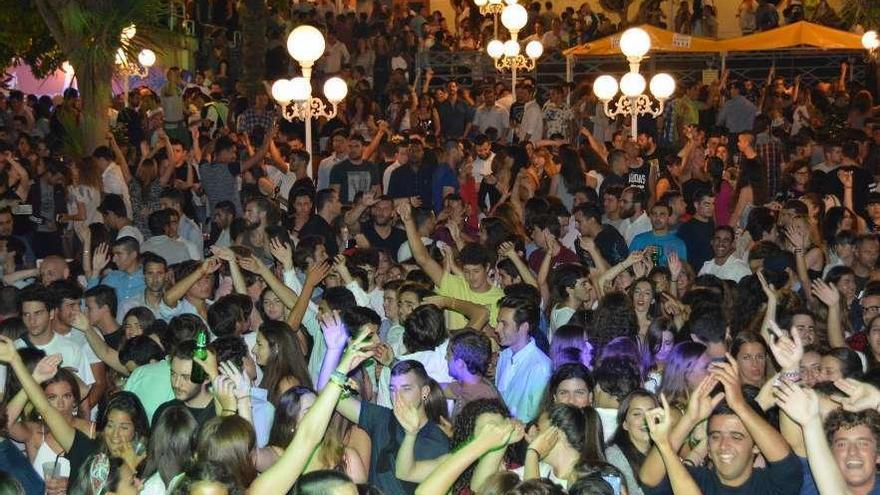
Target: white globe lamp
{"x":495,"y":49}
{"x":871,"y":40}
{"x":662,"y":86}
{"x":511,"y":48}
{"x":605,"y":87}
{"x":632,"y":84}
{"x":481,"y":3}
{"x":300,"y":89}
{"x":305,"y":44}
{"x":635,"y":43}
{"x":129,"y":32}
{"x":514,"y":17}
{"x":335,"y":89}
{"x":282,"y":90}
{"x":147,"y":57}
{"x":534,"y":49}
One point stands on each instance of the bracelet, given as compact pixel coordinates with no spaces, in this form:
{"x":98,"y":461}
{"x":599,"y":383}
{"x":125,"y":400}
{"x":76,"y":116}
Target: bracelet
{"x":233,"y":411}
{"x":339,"y":378}
{"x":534,"y":450}
{"x":792,"y":376}
{"x":243,"y":397}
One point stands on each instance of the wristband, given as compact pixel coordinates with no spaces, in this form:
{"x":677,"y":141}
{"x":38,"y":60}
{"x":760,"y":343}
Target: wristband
{"x":535,"y":451}
{"x":233,"y":411}
{"x":243,"y":397}
{"x":792,"y":376}
{"x":339,"y":378}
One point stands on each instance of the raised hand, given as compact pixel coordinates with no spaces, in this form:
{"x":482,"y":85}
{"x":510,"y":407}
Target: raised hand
{"x":404,"y":211}
{"x":282,"y":251}
{"x":553,"y":246}
{"x":660,"y":422}
{"x":335,"y":334}
{"x":369,"y":199}
{"x":253,"y":265}
{"x":827,"y":293}
{"x":359,"y":350}
{"x":210,"y":265}
{"x":701,"y":403}
{"x":317,"y":273}
{"x":239,"y":380}
{"x":46,"y":368}
{"x":859,"y":395}
{"x":224,"y":253}
{"x":506,"y":250}
{"x":80,"y":321}
{"x":8,"y":352}
{"x":727,"y":373}
{"x":787,"y":351}
{"x":224,"y":390}
{"x":673,"y":262}
{"x":100,"y":258}
{"x":846,"y":178}
{"x":768,"y":288}
{"x":801,"y":404}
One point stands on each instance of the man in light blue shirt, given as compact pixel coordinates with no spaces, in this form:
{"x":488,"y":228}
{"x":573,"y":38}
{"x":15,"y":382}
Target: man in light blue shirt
{"x":660,"y":238}
{"x":128,"y":278}
{"x":738,"y":113}
{"x":523,"y":370}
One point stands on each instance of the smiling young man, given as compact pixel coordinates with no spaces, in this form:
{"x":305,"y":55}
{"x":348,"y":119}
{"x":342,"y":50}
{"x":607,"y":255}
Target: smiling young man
{"x":737,"y":431}
{"x":473,"y":285}
{"x":725,"y":265}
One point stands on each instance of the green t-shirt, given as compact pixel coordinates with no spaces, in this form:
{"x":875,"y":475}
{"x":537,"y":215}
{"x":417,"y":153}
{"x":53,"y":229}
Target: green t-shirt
{"x":152,"y":385}
{"x":456,"y":286}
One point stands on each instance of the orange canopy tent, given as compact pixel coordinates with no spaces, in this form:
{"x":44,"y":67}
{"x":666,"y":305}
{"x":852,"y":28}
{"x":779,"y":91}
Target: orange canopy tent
{"x":794,"y":35}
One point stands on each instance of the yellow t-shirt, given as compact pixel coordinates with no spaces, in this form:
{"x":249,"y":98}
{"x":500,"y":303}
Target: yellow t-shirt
{"x":456,"y":286}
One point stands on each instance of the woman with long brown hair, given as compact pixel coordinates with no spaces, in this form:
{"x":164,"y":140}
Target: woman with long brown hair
{"x":145,"y":188}
{"x":281,"y":359}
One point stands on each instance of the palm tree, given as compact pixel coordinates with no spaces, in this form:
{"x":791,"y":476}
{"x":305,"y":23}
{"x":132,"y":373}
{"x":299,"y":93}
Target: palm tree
{"x":861,"y":12}
{"x":253,"y":15}
{"x":88,"y":33}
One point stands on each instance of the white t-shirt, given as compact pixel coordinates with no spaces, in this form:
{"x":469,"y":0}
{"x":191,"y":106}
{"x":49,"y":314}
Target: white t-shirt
{"x":72,"y":356}
{"x":113,"y":182}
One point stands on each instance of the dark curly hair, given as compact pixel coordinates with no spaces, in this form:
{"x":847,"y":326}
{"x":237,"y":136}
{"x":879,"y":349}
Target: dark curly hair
{"x":840,"y":419}
{"x":615,"y":317}
{"x":463,"y":432}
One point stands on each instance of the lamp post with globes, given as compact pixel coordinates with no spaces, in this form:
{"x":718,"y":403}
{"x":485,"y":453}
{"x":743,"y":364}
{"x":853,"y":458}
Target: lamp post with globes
{"x":507,"y":54}
{"x":126,"y":69}
{"x":635,"y":44}
{"x":306,"y":45}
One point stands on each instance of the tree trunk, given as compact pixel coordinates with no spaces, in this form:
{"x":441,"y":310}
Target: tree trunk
{"x":253,"y":16}
{"x":94,"y":85}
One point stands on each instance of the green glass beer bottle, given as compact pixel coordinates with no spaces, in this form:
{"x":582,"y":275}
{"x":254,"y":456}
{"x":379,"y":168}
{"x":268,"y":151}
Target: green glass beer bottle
{"x":201,"y":352}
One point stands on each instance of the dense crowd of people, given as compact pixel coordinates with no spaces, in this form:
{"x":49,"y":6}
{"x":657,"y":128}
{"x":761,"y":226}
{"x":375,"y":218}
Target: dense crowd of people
{"x":468,"y":290}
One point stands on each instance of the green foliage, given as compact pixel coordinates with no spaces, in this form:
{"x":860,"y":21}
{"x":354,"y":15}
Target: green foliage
{"x":619,"y":7}
{"x":24,"y":36}
{"x":864,"y":12}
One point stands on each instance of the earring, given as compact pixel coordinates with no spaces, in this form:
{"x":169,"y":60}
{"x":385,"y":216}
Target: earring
{"x":424,"y":398}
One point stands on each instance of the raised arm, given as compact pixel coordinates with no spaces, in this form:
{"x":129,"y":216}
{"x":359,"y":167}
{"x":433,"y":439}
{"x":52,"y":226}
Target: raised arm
{"x":802,"y":405}
{"x":177,"y":291}
{"x":659,"y":425}
{"x":773,"y":446}
{"x":595,"y":144}
{"x":700,"y":405}
{"x":419,"y":251}
{"x":119,"y":156}
{"x":829,"y":295}
{"x":476,"y":314}
{"x":284,"y":473}
{"x":508,"y":250}
{"x":104,"y":352}
{"x":63,"y":431}
{"x":491,"y":438}
{"x":257,"y":157}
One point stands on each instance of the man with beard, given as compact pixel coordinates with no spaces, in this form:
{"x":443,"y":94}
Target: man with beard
{"x":725,"y":265}
{"x":380,"y":232}
{"x":259,"y":214}
{"x":736,"y":427}
{"x":355,"y":174}
{"x":660,"y":237}
{"x":415,"y":179}
{"x":194,"y":396}
{"x":482,"y":165}
{"x":329,"y":207}
{"x":632,"y":211}
{"x":155,"y":277}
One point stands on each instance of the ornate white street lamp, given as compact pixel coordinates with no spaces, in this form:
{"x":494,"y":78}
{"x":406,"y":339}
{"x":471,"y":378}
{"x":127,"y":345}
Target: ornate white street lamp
{"x":508,"y":54}
{"x":306,"y":45}
{"x":635,"y":44}
{"x":127,"y":69}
